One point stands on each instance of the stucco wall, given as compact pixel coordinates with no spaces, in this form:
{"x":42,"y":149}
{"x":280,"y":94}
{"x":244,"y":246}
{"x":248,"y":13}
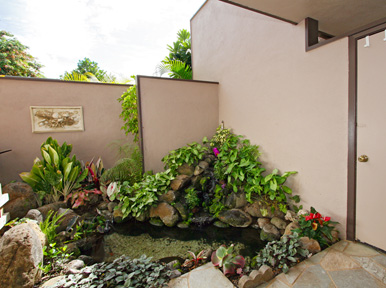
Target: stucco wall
{"x":101,"y":121}
{"x":173,"y":114}
{"x":290,"y":102}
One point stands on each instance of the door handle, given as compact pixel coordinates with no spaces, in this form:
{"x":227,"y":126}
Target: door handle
{"x":363,"y":158}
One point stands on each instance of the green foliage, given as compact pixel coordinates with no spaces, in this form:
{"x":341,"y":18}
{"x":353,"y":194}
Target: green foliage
{"x":16,"y":221}
{"x":220,"y":137}
{"x":230,"y":263}
{"x":281,"y":254}
{"x":14,"y":59}
{"x":129,"y":112}
{"x":190,"y":154}
{"x":179,"y":61}
{"x":125,"y":170}
{"x":49,"y":225}
{"x":238,"y":165}
{"x":53,"y":257}
{"x":137,"y":198}
{"x":122,"y":272}
{"x":192,"y":198}
{"x":56,"y":174}
{"x":316,"y":227}
{"x":86,"y":71}
{"x":217,"y":202}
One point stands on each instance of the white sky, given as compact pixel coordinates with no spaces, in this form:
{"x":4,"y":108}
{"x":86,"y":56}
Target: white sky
{"x":125,"y":37}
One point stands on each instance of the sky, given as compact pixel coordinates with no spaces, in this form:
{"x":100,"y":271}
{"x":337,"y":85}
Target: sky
{"x":125,"y":37}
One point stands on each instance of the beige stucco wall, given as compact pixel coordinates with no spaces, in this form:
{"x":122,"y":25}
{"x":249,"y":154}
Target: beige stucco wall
{"x":290,"y":102}
{"x":101,"y":121}
{"x":173,"y":114}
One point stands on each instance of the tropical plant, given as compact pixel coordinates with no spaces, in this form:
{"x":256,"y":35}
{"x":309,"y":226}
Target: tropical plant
{"x":179,"y":61}
{"x":49,"y":225}
{"x":219,"y":138}
{"x":136,"y":199}
{"x":125,"y":170}
{"x":88,"y":71}
{"x":217,"y":204}
{"x":190,"y":154}
{"x":281,"y":254}
{"x":95,"y":172}
{"x":122,"y":272}
{"x":56,"y":174}
{"x":79,"y":197}
{"x":316,"y":227}
{"x":14,"y":59}
{"x":53,"y":258}
{"x":196,"y":259}
{"x":129,"y":112}
{"x":230,"y":263}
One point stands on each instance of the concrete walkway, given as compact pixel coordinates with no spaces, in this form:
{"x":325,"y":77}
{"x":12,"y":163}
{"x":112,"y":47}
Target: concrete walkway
{"x":346,"y":264}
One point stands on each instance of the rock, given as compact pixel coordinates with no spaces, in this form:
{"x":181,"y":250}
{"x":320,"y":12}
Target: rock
{"x":255,"y":226}
{"x":185,"y":169}
{"x":74,"y":264}
{"x":170,"y":196}
{"x":269,"y":233}
{"x":291,"y":216}
{"x":263,"y":221}
{"x":21,"y":199}
{"x":310,"y":244}
{"x":278,"y":223}
{"x":173,"y":265}
{"x":235,"y":218}
{"x":180,"y":182}
{"x":51,"y":207}
{"x":201,"y":167}
{"x":103,"y":205}
{"x":220,"y":224}
{"x":167,"y":213}
{"x":156,"y":222}
{"x":42,"y":237}
{"x":35,"y":214}
{"x":303,"y":212}
{"x":142,"y":217}
{"x":21,"y":252}
{"x":68,"y":219}
{"x":256,"y":277}
{"x":182,"y":210}
{"x":174,"y":274}
{"x":88,"y":260}
{"x":208,"y":160}
{"x":203,"y":219}
{"x":118,"y":215}
{"x":52,"y":281}
{"x":111,"y":206}
{"x":196,"y":182}
{"x":255,"y":210}
{"x":236,"y":200}
{"x":290,"y":227}
{"x":183,"y":225}
{"x":93,"y":199}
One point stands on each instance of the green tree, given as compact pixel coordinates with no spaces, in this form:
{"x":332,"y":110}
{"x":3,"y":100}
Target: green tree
{"x":90,"y":70}
{"x":14,"y":59}
{"x":179,"y":61}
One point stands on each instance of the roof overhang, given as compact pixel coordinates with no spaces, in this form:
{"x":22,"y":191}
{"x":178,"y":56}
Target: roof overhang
{"x":336,"y":17}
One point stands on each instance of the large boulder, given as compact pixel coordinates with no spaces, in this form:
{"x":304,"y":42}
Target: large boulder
{"x":185,"y":169}
{"x":21,"y":252}
{"x":21,"y":199}
{"x":235,"y":218}
{"x":68,"y":219}
{"x":51,"y":207}
{"x":269,"y":233}
{"x":180,"y":182}
{"x":167,"y":213}
{"x":236,"y":200}
{"x":170,"y":196}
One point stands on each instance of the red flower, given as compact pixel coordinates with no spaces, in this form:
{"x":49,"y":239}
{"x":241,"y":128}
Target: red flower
{"x":326,"y":219}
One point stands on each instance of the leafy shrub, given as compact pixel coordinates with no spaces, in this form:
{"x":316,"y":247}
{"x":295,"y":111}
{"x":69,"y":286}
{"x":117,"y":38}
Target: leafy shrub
{"x":79,"y":197}
{"x":137,"y":199}
{"x":129,"y":112}
{"x":220,"y":137}
{"x":49,"y":225}
{"x":316,"y":227}
{"x":192,"y":198}
{"x":125,"y":170}
{"x":190,"y":154}
{"x":57,"y":174}
{"x":281,"y":254}
{"x":122,"y":272}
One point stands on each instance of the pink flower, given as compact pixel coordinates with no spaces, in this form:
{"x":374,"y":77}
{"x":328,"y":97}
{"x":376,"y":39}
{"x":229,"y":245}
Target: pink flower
{"x":223,"y":186}
{"x":215,"y":151}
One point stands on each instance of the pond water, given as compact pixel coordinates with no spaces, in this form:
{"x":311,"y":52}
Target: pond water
{"x":136,"y":238}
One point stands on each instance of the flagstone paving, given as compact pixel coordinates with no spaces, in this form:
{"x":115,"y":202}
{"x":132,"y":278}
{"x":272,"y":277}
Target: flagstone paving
{"x":346,"y":264}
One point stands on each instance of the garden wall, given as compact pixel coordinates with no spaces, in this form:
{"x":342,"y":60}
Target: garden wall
{"x":174,"y":113}
{"x":292,"y":103}
{"x":102,"y":125}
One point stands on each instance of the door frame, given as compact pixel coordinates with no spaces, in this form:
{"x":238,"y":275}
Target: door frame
{"x":352,"y":127}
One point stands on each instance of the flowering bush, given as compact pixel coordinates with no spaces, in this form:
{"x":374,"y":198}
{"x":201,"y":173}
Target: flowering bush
{"x":316,"y":227}
{"x":79,"y":197}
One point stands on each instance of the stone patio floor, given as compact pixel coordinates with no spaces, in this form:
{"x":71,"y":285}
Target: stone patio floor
{"x":346,"y":264}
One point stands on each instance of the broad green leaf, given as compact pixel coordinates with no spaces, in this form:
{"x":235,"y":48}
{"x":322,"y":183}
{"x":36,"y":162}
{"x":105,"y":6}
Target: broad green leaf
{"x":46,"y":156}
{"x":54,"y":156}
